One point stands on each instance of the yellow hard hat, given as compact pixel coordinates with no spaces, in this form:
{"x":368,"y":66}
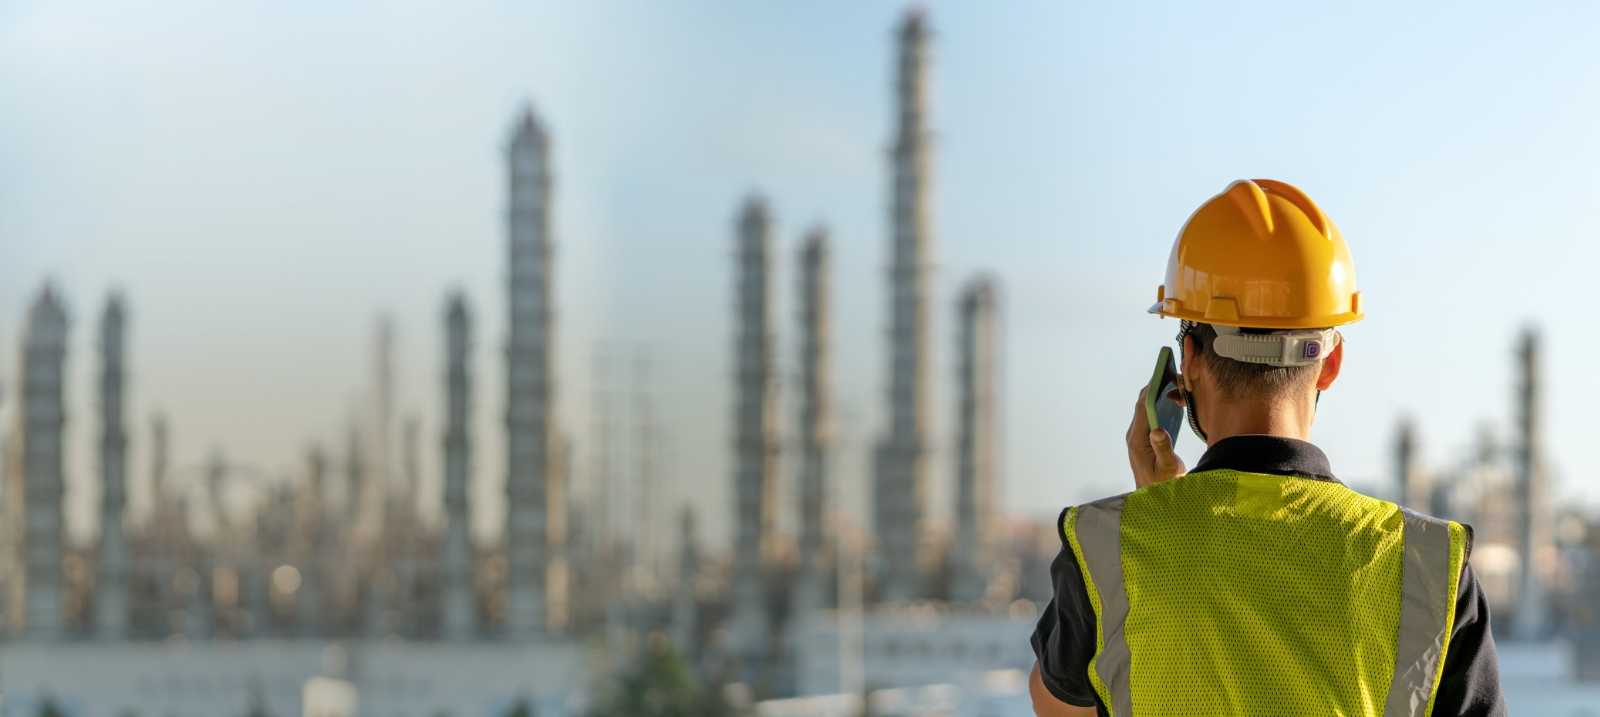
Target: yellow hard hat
{"x":1260,"y":255}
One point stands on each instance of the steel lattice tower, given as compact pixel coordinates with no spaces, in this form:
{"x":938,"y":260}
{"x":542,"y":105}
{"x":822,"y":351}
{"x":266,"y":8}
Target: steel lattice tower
{"x":755,"y":431}
{"x":457,"y":612}
{"x":902,"y":457}
{"x":111,"y":580}
{"x":976,"y":459}
{"x":530,"y":400}
{"x":815,"y":431}
{"x":1532,"y":612}
{"x":43,"y":416}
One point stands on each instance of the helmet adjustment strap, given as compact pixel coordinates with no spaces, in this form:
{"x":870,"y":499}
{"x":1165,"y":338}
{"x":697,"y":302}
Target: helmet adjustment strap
{"x":1301,"y":347}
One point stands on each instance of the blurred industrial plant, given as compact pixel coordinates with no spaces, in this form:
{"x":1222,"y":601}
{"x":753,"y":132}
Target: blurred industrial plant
{"x":334,"y":589}
{"x":334,"y":592}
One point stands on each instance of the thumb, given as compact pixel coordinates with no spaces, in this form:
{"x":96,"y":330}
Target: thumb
{"x":1168,"y":465}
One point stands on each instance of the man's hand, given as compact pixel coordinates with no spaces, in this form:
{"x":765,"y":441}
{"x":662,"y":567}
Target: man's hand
{"x":1150,"y":452}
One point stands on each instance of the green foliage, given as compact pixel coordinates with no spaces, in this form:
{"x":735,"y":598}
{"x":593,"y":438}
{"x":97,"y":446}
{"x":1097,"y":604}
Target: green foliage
{"x":658,"y":685}
{"x":48,"y":708}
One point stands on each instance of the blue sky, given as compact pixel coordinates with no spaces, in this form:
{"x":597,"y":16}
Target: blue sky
{"x":265,"y":179}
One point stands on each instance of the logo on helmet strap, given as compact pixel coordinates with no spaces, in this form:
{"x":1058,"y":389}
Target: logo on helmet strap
{"x":1313,"y":349}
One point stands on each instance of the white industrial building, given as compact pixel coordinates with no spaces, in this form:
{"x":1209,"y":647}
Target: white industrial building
{"x":178,"y":679}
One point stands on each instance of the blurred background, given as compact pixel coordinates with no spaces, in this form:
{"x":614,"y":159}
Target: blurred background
{"x":494,"y":358}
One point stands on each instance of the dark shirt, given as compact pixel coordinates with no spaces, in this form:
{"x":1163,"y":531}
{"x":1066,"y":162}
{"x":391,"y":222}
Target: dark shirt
{"x":1064,"y":640}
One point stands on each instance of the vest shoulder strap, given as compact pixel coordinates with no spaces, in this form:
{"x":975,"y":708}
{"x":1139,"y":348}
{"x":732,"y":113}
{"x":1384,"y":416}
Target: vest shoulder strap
{"x":1430,"y":578}
{"x":1094,"y":531}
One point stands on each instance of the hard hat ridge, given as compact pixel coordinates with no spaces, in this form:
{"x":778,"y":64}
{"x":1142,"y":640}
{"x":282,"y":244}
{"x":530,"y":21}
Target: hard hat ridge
{"x":1253,"y":205}
{"x":1307,"y":208}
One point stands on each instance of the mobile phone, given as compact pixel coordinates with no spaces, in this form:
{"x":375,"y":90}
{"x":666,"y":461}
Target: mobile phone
{"x":1163,"y":412}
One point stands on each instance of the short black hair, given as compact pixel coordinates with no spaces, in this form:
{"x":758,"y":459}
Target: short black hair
{"x":1239,"y":380}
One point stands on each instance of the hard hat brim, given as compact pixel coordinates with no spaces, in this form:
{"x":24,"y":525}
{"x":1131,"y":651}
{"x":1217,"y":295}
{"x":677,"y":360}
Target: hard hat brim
{"x":1259,"y":322}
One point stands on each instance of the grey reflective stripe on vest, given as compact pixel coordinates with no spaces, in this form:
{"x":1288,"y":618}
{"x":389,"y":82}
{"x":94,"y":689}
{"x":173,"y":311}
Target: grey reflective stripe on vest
{"x":1425,"y":608}
{"x":1099,"y":530}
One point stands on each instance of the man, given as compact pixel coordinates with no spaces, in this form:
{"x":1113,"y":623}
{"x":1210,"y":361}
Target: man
{"x":1257,"y":584}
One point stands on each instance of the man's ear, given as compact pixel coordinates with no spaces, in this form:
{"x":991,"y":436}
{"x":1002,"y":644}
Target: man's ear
{"x":1330,"y":366}
{"x":1188,"y":368}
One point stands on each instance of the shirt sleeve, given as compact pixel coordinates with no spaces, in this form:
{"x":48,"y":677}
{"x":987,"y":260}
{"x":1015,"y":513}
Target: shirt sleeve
{"x":1470,"y":685}
{"x":1064,"y":641}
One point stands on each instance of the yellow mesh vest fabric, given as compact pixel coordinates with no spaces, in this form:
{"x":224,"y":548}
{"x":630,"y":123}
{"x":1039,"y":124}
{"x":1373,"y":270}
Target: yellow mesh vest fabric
{"x":1255,"y":594}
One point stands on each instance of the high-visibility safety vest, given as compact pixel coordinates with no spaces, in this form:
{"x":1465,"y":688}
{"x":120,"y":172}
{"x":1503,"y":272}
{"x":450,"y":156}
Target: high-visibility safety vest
{"x":1231,"y":593}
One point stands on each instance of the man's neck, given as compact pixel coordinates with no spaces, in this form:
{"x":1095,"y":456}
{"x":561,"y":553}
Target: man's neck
{"x":1287,"y":419}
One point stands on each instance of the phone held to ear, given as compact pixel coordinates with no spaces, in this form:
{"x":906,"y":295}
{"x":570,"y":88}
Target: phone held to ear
{"x":1163,"y":412}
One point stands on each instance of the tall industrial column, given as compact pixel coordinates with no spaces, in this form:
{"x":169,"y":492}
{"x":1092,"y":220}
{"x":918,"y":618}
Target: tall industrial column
{"x":755,"y":432}
{"x":685,"y":610}
{"x":902,"y":457}
{"x":43,"y":415}
{"x":111,"y":579}
{"x":1532,"y":613}
{"x":1416,"y":491}
{"x":976,"y":456}
{"x":810,"y":591}
{"x":530,"y":438}
{"x":382,"y":604}
{"x":377,"y":484}
{"x":310,"y":526}
{"x":457,"y":613}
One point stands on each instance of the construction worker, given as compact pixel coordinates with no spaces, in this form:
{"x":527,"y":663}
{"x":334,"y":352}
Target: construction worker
{"x":1258,"y":584}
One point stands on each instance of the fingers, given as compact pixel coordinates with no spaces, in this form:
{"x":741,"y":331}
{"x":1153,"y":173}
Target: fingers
{"x":1150,"y":451}
{"x":1161,"y":445}
{"x":1175,"y":394}
{"x":1138,"y":440}
{"x":1167,"y":463}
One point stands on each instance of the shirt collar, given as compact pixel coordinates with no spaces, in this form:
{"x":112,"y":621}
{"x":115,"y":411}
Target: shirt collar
{"x":1274,"y":455}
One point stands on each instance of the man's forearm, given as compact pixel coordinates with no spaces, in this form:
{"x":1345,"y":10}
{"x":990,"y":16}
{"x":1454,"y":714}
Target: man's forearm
{"x":1046,"y":704}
